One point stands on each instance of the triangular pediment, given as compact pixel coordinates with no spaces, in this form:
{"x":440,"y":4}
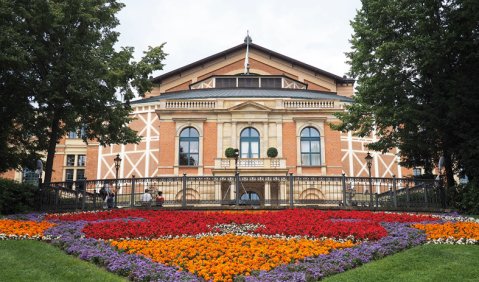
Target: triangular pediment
{"x":249,"y":106}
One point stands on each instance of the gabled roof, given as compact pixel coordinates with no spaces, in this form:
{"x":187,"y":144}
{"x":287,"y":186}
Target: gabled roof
{"x":271,"y":53}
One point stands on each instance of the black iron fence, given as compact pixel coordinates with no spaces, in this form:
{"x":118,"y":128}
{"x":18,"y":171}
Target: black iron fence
{"x":247,"y":191}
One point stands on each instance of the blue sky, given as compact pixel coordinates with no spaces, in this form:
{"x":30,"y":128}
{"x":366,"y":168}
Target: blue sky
{"x":316,"y":32}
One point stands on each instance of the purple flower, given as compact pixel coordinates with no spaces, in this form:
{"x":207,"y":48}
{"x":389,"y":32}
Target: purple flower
{"x":69,"y":237}
{"x":400,"y":236}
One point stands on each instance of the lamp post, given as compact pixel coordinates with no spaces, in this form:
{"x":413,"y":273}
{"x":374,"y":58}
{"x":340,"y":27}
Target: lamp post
{"x":117,"y":161}
{"x":236,"y":156}
{"x":369,"y":161}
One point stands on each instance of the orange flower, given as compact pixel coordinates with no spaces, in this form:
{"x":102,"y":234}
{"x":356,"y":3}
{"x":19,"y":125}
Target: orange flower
{"x":27,"y":229}
{"x":221,"y":257}
{"x":455,"y":230}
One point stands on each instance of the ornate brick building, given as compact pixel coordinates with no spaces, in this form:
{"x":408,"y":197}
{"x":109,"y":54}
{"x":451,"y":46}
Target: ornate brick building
{"x":247,"y":97}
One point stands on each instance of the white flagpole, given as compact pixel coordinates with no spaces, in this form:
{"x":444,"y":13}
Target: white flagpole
{"x":246,"y":61}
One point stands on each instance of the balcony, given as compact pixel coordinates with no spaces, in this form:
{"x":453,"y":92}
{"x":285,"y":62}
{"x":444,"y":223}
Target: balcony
{"x":261,"y":163}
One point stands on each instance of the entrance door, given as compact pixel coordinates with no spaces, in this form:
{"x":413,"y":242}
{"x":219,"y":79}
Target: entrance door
{"x":250,"y":198}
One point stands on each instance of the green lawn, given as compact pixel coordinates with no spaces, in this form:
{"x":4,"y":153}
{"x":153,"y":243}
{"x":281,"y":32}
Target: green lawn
{"x":37,"y":261}
{"x":424,"y":263}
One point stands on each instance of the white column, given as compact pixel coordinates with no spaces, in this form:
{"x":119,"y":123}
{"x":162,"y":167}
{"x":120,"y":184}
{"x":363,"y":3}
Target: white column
{"x":350,"y":154}
{"x":265,"y":138}
{"x":267,"y":192}
{"x":148,"y":137}
{"x":279,"y":139}
{"x":233,"y":135}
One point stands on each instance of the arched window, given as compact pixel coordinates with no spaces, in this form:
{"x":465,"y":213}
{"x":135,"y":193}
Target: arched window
{"x":189,"y":147}
{"x":250,"y":198}
{"x":249,"y":143}
{"x":310,"y":147}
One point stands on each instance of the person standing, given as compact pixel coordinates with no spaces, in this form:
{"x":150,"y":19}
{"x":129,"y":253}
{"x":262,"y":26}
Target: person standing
{"x":146,"y":198}
{"x":160,"y":199}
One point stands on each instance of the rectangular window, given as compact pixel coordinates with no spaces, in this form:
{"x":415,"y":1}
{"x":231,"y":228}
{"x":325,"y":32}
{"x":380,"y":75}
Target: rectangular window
{"x":248,"y":82}
{"x":244,"y":149}
{"x":80,"y":174}
{"x":81,"y":160}
{"x":69,"y":175}
{"x":72,"y":135}
{"x":270,"y":82}
{"x":223,"y":82}
{"x":70,"y":160}
{"x":315,"y":159}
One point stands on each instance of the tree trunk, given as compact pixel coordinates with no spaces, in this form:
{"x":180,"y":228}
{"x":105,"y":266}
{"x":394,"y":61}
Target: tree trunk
{"x":449,"y":170}
{"x":52,"y":144}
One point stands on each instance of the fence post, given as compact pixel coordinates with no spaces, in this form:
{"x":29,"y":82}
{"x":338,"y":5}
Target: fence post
{"x":343,"y":182}
{"x":183,"y":200}
{"x":77,"y":196}
{"x":291,"y":179}
{"x":56,"y":200}
{"x":83,"y":191}
{"x":94,"y":197}
{"x":376,"y":195}
{"x":425,"y":195}
{"x":237,"y":189}
{"x":132,"y":191}
{"x":395,"y":200}
{"x":407,"y":195}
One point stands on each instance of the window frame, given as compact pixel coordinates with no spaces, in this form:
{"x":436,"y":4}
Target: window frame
{"x":310,"y":153}
{"x":250,"y":140}
{"x":189,"y":139}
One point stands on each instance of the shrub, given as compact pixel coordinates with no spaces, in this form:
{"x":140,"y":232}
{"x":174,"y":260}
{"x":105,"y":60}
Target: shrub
{"x":467,"y":198}
{"x":16,"y":197}
{"x":272,"y":152}
{"x":230,"y":152}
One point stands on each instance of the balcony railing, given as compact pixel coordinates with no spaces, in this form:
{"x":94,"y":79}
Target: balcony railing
{"x":251,"y":163}
{"x":271,"y":191}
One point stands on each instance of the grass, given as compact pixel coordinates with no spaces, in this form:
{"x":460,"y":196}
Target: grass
{"x":37,"y":261}
{"x":424,"y":263}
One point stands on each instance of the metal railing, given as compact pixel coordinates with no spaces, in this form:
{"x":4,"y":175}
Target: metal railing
{"x":248,"y":191}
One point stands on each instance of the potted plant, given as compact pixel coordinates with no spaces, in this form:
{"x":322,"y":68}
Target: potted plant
{"x":272,"y":152}
{"x":230,"y":152}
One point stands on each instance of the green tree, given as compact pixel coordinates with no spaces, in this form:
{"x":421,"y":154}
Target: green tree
{"x":65,"y":74}
{"x":417,"y":67}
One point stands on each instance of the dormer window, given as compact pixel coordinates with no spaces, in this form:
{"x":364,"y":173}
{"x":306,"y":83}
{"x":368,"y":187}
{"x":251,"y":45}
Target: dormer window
{"x":249,"y":81}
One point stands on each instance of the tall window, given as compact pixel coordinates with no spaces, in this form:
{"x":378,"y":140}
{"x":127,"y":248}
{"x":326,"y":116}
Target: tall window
{"x":189,"y":147}
{"x":310,"y":147}
{"x":81,"y":160}
{"x":70,"y":160}
{"x":249,"y":140}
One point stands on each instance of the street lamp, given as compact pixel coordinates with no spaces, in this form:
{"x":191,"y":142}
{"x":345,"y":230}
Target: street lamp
{"x":369,"y":161}
{"x":117,"y":161}
{"x":236,"y":156}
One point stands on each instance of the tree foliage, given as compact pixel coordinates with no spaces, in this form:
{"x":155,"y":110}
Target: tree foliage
{"x":417,"y":66}
{"x":60,"y":72}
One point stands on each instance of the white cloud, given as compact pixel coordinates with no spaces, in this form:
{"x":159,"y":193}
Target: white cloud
{"x":314,"y":32}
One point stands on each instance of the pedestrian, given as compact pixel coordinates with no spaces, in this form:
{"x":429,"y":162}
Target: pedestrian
{"x":160,"y":199}
{"x":110,"y":196}
{"x":146,"y":199}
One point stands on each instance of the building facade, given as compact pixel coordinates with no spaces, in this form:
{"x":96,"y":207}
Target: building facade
{"x":247,"y":97}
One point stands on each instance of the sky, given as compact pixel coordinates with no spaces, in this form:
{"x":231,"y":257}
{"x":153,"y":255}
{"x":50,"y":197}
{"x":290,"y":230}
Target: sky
{"x":316,"y":32}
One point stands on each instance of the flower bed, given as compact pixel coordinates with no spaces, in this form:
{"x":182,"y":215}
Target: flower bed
{"x":451,"y":232}
{"x":14,"y":229}
{"x":288,"y":245}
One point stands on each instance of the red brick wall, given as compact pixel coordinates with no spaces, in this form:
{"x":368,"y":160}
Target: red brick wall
{"x":332,"y":144}
{"x":167,"y":147}
{"x":210,"y":145}
{"x":289,"y":145}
